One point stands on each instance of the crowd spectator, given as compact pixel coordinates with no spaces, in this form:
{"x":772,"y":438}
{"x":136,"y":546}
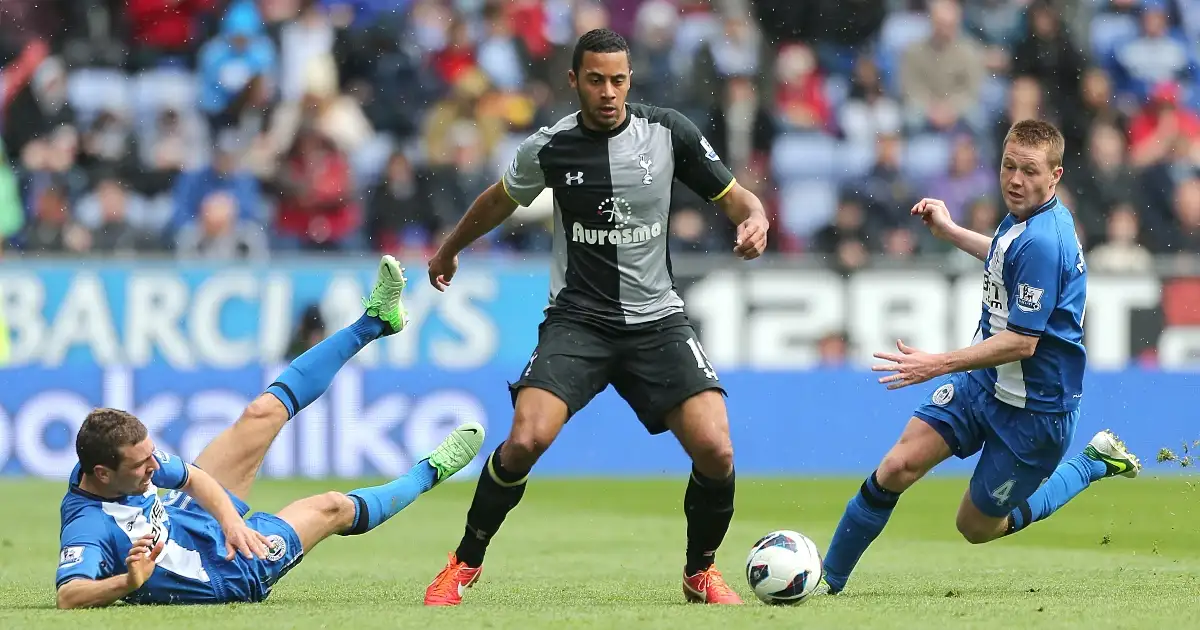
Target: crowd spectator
{"x":236,"y":69}
{"x":218,"y":232}
{"x":1156,"y":56}
{"x":1120,"y":252}
{"x":941,"y":77}
{"x":245,"y":128}
{"x":317,"y":211}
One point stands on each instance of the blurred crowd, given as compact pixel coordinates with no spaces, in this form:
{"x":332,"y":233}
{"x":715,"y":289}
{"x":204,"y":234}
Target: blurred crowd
{"x":248,"y":128}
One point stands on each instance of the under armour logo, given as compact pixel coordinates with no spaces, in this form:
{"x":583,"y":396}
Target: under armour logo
{"x":645,"y":162}
{"x":577,"y":178}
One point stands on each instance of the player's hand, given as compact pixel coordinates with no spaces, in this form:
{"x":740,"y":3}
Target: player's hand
{"x":935,"y":216}
{"x":441,"y":270}
{"x":911,"y":366}
{"x":751,"y":238}
{"x":140,"y":563}
{"x":239,"y":538}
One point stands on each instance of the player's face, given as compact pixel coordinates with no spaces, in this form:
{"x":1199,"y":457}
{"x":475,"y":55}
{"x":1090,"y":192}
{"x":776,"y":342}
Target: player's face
{"x":602,"y":84}
{"x":137,"y":466}
{"x":1026,"y":178}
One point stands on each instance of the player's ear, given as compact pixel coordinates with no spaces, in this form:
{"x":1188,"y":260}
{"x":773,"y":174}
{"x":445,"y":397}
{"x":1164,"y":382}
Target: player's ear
{"x":1056,"y":176}
{"x":572,"y":79}
{"x":102,"y":473}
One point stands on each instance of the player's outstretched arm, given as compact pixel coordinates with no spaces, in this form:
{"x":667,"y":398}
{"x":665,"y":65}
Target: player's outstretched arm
{"x":87,"y":593}
{"x":999,"y":349}
{"x":212,"y":497}
{"x":936,"y":217}
{"x":490,"y":209}
{"x":910,"y":366}
{"x":84,"y":593}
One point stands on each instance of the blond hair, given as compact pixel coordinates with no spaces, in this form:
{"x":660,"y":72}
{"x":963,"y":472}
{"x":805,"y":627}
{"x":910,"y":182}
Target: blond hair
{"x":1041,"y":135}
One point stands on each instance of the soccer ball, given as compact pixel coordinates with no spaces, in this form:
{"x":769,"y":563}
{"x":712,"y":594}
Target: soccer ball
{"x":784,"y":567}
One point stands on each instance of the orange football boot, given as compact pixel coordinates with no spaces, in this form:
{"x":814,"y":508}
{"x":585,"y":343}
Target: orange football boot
{"x":709,"y":587}
{"x":448,"y":587}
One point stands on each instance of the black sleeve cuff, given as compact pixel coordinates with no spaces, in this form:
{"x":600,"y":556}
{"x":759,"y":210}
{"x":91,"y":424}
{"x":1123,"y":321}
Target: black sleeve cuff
{"x":1020,"y":330}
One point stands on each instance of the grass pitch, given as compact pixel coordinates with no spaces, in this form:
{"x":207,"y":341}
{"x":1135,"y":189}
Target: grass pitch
{"x":608,"y":554}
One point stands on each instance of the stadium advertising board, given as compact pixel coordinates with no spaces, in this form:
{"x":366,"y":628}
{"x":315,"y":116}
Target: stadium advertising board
{"x":753,"y":317}
{"x":186,"y":347}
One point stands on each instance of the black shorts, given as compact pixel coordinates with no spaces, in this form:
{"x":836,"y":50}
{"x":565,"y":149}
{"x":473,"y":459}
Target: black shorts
{"x":654,"y":367}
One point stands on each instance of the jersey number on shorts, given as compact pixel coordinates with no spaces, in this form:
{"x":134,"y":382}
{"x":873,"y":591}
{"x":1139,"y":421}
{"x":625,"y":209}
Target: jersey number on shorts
{"x":1002,"y":493}
{"x":701,"y":359}
{"x":529,"y":366}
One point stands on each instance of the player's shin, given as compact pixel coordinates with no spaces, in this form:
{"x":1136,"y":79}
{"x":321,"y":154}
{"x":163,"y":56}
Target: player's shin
{"x":708,"y":505}
{"x":865,"y":517}
{"x":311,"y":373}
{"x":1069,"y":479}
{"x":499,"y":490}
{"x":375,"y":505}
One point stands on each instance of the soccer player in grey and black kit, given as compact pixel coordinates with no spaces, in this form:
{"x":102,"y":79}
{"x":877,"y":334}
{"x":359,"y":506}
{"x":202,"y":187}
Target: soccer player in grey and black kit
{"x":613,"y":315}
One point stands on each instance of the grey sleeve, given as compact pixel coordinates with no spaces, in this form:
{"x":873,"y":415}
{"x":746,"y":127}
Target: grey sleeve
{"x":524,"y":180}
{"x":697,"y":165}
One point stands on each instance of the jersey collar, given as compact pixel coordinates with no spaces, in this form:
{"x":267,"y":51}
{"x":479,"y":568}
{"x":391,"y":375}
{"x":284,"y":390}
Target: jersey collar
{"x":73,"y":488}
{"x":615,"y":131}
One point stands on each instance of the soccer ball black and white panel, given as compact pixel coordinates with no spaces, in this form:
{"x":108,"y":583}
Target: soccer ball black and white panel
{"x":783,"y":568}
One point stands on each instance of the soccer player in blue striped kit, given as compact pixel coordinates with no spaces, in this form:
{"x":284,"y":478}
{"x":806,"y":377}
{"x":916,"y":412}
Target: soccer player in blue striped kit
{"x":1014,"y":393}
{"x":196,"y":545}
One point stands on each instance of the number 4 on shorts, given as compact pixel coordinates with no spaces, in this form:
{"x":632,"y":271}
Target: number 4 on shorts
{"x":702,"y":359}
{"x":1002,"y":493}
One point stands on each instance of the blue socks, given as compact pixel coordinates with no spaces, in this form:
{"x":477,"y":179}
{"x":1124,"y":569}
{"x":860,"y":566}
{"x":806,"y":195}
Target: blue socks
{"x":1069,"y":479}
{"x":310,"y":374}
{"x":864,"y":519}
{"x":869,"y":510}
{"x":373,"y":506}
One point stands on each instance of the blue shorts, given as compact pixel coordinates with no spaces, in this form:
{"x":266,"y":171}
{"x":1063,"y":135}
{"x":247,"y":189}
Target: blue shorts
{"x":245,"y":580}
{"x":1021,"y":448}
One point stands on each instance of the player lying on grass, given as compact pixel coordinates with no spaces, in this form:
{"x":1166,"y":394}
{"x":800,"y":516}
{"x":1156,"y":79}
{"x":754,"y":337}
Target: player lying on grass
{"x":1015,"y":392}
{"x":121,"y":542}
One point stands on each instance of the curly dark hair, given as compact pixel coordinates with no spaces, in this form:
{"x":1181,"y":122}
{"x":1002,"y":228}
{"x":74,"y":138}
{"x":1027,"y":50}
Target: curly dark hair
{"x":600,"y":40}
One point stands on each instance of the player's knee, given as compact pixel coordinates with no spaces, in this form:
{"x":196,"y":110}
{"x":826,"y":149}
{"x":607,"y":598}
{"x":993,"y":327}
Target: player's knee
{"x":522,"y":450}
{"x":263,"y":408}
{"x":897,"y":472}
{"x":335,"y":506}
{"x":974,"y":532}
{"x":536,"y":423}
{"x":525,"y":444}
{"x":974,"y":536}
{"x":714,"y":459}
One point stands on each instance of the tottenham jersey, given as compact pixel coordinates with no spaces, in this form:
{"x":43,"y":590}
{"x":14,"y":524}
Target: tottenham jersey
{"x":612,"y":196}
{"x":1035,"y":283}
{"x":97,"y":534}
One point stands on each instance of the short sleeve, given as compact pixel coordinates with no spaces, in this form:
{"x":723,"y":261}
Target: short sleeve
{"x":1033,"y":278}
{"x":524,"y":179}
{"x":82,"y":554}
{"x":76,"y":561}
{"x":172,"y":471}
{"x":697,"y":165}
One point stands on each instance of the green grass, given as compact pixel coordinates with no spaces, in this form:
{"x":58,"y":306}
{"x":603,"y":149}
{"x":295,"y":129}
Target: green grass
{"x":608,"y":554}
